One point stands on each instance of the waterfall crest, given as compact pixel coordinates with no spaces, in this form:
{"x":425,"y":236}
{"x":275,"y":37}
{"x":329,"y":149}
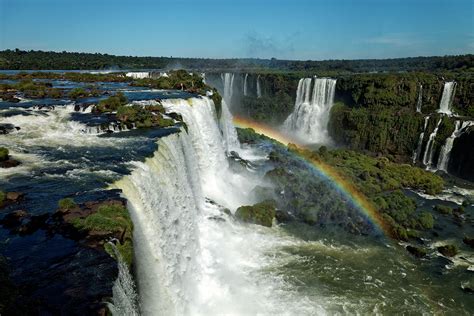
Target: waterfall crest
{"x":449,"y":91}
{"x":310,"y":118}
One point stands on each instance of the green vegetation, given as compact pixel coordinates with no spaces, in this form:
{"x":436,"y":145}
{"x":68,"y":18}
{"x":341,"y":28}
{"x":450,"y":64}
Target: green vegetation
{"x":90,"y":91}
{"x":19,"y":59}
{"x":261,"y":213}
{"x":143,"y":116}
{"x":112,"y":103}
{"x":448,"y":250}
{"x":3,"y":196}
{"x":4,"y":154}
{"x":443,"y":209}
{"x":110,"y":219}
{"x":417,"y":251}
{"x":66,"y":204}
{"x":30,"y":89}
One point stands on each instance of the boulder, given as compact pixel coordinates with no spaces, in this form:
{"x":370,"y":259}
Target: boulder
{"x":14,"y":196}
{"x":261,"y":213}
{"x":468,"y":241}
{"x":14,"y":219}
{"x":448,"y":250}
{"x":416,"y":251}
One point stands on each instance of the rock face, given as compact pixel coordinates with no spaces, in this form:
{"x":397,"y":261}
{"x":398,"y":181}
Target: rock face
{"x":261,"y":213}
{"x":461,"y":162}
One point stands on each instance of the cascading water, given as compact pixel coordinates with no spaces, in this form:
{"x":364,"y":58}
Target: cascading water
{"x":228,"y":84}
{"x":445,"y":152}
{"x":245,"y":85}
{"x":228,"y":130}
{"x":191,"y":258}
{"x":420,"y":99}
{"x":310,"y":118}
{"x":429,"y":152}
{"x":259,"y":88}
{"x":447,"y":98}
{"x":417,"y":153}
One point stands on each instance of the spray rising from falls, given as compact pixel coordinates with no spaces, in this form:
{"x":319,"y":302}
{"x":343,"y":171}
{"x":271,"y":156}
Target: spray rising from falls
{"x":310,"y":118}
{"x":449,"y":91}
{"x":445,"y":152}
{"x":417,"y":153}
{"x":429,"y":152}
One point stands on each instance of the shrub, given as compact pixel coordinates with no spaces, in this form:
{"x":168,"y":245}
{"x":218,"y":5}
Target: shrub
{"x":443,"y":209}
{"x":261,"y":213}
{"x":66,"y":204}
{"x":448,"y":250}
{"x":4,"y":154}
{"x":426,"y":220}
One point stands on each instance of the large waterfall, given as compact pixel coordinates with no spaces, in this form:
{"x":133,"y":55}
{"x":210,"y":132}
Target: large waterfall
{"x":191,"y":258}
{"x":445,"y":152}
{"x":228,"y":130}
{"x":310,"y":118}
{"x":447,"y":98}
{"x":259,"y":87}
{"x":429,"y":152}
{"x":417,"y":153}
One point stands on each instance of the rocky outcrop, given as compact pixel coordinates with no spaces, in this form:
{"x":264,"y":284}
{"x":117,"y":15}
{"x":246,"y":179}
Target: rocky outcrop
{"x":261,"y":213}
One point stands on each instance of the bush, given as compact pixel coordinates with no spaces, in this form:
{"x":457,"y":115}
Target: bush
{"x":261,"y":213}
{"x":66,"y":204}
{"x":111,"y":103}
{"x":426,"y":220}
{"x":4,"y":154}
{"x":448,"y":250}
{"x":111,"y":218}
{"x":443,"y":209}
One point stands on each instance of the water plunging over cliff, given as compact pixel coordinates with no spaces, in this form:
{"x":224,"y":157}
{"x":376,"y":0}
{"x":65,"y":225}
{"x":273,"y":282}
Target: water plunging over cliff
{"x":310,"y":118}
{"x":420,"y":99}
{"x":259,"y":88}
{"x":445,"y":152}
{"x":429,"y":152}
{"x":447,"y":97}
{"x":417,"y":153}
{"x":228,"y":130}
{"x":245,"y":85}
{"x":228,"y":84}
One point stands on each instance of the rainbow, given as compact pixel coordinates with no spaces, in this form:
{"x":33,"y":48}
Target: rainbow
{"x":358,"y":199}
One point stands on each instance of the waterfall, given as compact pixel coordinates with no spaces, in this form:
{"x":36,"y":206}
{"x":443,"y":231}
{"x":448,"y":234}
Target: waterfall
{"x":228,"y":83}
{"x":310,"y":118}
{"x":417,"y":153}
{"x":138,"y":75}
{"x":203,"y":76}
{"x":420,"y":98}
{"x":245,"y":84}
{"x":228,"y":130}
{"x":429,"y":152}
{"x":447,"y":98}
{"x":259,"y":88}
{"x":187,"y":261}
{"x":445,"y":152}
{"x":125,"y":299}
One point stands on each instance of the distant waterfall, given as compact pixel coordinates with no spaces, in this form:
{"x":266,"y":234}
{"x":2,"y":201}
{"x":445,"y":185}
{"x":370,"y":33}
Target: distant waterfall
{"x":310,"y":118}
{"x":445,"y":152}
{"x":228,"y":129}
{"x":228,"y":83}
{"x":429,"y":152}
{"x":259,"y":88}
{"x":447,"y":97}
{"x":417,"y":153}
{"x":420,"y":98}
{"x":245,"y":84}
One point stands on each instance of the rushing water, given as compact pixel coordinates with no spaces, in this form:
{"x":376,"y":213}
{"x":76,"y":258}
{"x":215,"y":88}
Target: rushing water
{"x":310,"y":118}
{"x":429,"y":152}
{"x":191,"y":257}
{"x":417,"y":153}
{"x":447,"y":97}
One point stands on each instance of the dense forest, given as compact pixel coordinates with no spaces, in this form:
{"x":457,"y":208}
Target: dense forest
{"x":36,"y":60}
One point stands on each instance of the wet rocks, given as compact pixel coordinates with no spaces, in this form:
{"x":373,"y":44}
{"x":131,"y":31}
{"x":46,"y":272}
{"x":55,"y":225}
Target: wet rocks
{"x":5,"y":160}
{"x":416,"y":251}
{"x":6,"y":128}
{"x":468,"y":241}
{"x":448,"y":250}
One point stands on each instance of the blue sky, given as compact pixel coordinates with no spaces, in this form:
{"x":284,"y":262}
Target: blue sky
{"x":284,"y":29}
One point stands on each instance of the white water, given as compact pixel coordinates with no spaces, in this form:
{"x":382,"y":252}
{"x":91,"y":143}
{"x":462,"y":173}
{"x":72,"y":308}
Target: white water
{"x":447,"y":98}
{"x":259,"y":88}
{"x":417,"y":153}
{"x":229,"y":133}
{"x":138,"y":75}
{"x":429,"y":152}
{"x":420,"y":99}
{"x":245,"y":84}
{"x":228,"y":83}
{"x":187,"y":262}
{"x":445,"y":152}
{"x":310,"y":118}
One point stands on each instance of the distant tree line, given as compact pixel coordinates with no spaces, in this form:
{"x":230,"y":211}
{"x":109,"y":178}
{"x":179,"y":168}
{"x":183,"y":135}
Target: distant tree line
{"x":37,"y":60}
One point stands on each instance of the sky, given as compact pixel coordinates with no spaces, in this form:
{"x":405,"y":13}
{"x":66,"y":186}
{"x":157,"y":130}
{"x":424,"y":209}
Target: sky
{"x":282,"y":29}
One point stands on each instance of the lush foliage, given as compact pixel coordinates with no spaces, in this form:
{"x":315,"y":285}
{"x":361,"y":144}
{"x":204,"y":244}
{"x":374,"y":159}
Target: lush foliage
{"x":4,"y":154}
{"x":261,"y":213}
{"x":112,"y":103}
{"x":448,"y":250}
{"x":66,"y":204}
